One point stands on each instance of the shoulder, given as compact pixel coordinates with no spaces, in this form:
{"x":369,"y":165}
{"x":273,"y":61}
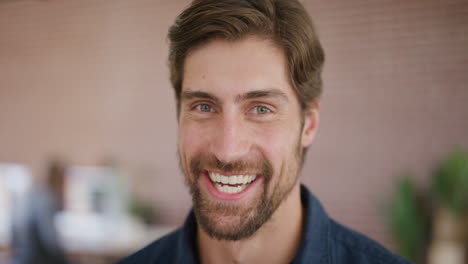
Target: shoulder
{"x":354,"y":247}
{"x":160,"y":251}
{"x":176,"y":247}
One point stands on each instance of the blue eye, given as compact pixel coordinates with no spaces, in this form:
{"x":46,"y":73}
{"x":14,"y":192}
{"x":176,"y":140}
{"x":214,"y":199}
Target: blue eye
{"x":261,"y":110}
{"x":204,"y":108}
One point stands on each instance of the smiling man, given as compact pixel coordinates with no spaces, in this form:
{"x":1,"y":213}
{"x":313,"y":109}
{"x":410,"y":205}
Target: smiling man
{"x":247,"y":80}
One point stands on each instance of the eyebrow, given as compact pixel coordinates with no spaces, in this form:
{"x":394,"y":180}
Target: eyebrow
{"x":262,"y":94}
{"x":188,"y":95}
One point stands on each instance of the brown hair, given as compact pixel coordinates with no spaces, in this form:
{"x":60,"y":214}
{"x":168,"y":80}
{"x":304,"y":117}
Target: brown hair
{"x":285,"y":22}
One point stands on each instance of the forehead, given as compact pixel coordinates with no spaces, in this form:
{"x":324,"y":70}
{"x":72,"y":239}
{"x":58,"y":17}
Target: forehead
{"x":227,"y":68}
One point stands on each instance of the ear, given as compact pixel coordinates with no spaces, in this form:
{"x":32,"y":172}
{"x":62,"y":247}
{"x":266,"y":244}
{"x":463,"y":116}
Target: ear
{"x":311,"y":120}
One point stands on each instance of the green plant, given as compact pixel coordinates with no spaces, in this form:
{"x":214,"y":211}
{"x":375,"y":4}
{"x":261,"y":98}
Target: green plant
{"x":407,"y":220}
{"x":450,"y":183}
{"x":143,"y":210}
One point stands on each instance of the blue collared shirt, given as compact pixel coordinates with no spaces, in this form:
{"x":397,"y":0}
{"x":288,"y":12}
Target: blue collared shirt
{"x":324,"y":241}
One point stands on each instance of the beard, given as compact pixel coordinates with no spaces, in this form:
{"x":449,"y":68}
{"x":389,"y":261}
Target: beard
{"x":226,"y":221}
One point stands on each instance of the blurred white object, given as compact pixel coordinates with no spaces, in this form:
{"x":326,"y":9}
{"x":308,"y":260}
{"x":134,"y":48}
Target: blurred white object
{"x":16,"y":177}
{"x":447,"y":252}
{"x":96,"y":218}
{"x":86,"y":232}
{"x":15,"y":182}
{"x":449,"y":233}
{"x":95,"y":190}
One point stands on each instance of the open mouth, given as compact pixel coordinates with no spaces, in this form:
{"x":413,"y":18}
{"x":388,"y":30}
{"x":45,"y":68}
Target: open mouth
{"x":231,"y":184}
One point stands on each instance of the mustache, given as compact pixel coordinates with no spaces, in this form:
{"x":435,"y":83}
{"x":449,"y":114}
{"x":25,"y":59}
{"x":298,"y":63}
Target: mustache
{"x":202,"y":162}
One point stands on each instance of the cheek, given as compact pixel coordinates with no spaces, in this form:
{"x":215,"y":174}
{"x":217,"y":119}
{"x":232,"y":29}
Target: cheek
{"x":278,"y":143}
{"x":192,"y":137}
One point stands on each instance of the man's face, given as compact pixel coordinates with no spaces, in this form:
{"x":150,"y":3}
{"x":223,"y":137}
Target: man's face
{"x":240,"y":134}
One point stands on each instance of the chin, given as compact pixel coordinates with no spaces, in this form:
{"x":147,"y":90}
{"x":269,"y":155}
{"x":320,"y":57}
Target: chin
{"x":232,"y":222}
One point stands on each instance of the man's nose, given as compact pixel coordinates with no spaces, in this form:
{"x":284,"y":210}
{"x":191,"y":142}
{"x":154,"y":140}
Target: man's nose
{"x":230,"y":142}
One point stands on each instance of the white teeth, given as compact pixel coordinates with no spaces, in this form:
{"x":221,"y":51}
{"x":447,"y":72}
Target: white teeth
{"x":222,"y":183}
{"x":240,"y":179}
{"x":229,"y":189}
{"x":247,"y":178}
{"x":225,"y":179}
{"x":232,"y":180}
{"x":212,"y":177}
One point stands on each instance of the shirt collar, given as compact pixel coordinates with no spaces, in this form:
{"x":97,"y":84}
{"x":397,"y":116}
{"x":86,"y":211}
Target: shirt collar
{"x":187,"y":248}
{"x":314,"y":243}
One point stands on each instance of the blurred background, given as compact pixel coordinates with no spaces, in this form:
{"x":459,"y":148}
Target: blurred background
{"x":84,"y":84}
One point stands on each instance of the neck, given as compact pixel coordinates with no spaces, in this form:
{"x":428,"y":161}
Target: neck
{"x":277,"y":241}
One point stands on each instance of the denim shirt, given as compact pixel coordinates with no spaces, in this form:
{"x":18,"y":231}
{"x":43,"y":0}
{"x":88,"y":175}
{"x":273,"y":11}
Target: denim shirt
{"x":324,"y":241}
